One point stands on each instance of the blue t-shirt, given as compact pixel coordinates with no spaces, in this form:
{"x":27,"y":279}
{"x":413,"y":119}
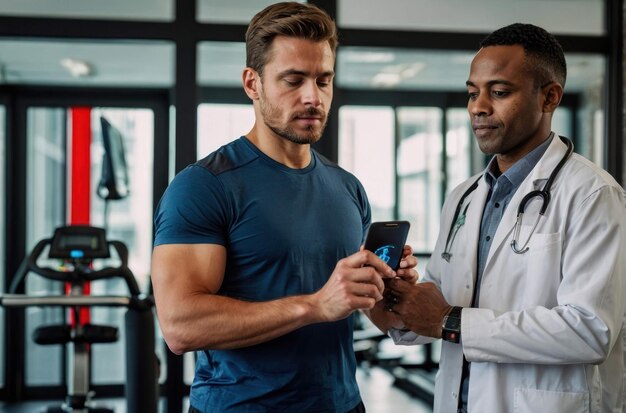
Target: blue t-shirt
{"x":284,"y":230}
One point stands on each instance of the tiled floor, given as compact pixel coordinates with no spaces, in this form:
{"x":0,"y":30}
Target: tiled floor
{"x":377,"y":390}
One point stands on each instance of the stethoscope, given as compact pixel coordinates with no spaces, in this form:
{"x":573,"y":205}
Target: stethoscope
{"x":458,"y":219}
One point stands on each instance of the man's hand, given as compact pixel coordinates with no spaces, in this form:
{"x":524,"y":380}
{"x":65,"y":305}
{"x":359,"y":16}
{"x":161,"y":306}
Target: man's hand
{"x":421,"y":307}
{"x":381,"y":315}
{"x":356,"y":283}
{"x":408,"y":263}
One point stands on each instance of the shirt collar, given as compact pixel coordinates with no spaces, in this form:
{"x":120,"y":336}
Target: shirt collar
{"x":520,"y":169}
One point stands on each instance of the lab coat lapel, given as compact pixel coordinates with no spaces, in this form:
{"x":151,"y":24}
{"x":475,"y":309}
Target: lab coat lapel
{"x":534,"y":181}
{"x":474,"y":217}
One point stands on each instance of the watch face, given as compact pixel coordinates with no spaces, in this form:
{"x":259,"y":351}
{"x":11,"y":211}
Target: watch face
{"x":453,"y":323}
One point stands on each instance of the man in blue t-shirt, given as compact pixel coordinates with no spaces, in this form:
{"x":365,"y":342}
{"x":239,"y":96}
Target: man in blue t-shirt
{"x":257,"y":262}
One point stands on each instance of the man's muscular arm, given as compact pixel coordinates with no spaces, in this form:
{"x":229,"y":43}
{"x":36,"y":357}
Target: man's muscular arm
{"x":192,"y":316}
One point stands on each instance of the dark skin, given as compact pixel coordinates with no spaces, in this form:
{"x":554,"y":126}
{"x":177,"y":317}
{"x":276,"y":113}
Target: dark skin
{"x":421,"y":307}
{"x":380,"y":314}
{"x":510,"y":117}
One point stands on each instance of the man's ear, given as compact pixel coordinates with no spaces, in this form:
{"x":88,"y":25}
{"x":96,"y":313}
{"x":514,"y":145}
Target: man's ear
{"x":552,"y":93}
{"x":251,"y":82}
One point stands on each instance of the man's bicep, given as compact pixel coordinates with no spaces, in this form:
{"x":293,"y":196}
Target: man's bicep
{"x":182,"y":269}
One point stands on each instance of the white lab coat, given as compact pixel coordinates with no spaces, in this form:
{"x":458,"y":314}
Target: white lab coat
{"x":548,"y":336}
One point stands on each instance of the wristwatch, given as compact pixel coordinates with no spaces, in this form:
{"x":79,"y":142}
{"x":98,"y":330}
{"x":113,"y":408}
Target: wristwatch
{"x":451,"y":327}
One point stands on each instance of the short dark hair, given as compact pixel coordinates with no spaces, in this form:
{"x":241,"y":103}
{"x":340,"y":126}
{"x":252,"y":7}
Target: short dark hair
{"x":544,"y":53}
{"x":293,"y":19}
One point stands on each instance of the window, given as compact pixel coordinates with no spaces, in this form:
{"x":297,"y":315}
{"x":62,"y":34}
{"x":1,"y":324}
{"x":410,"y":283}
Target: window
{"x":82,"y":62}
{"x":240,"y":11}
{"x":45,"y":210}
{"x":419,"y":173}
{"x":573,"y":17}
{"x":128,"y":219}
{"x":221,"y":63}
{"x":463,"y":157}
{"x":367,"y":149}
{"x":219,"y":124}
{"x":402,"y":69}
{"x":155,"y":10}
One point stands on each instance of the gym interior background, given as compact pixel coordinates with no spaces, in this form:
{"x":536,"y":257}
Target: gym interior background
{"x":166,"y":75}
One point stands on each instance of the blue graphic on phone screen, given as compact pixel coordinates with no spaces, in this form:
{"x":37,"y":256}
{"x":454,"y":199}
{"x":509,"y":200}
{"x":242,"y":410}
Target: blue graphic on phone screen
{"x":384,"y":253}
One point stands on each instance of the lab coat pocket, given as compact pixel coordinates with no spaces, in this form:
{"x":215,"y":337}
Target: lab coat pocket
{"x":533,"y":400}
{"x":543,"y":270}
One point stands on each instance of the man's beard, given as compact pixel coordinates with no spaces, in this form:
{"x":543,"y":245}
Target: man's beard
{"x":271,"y":113}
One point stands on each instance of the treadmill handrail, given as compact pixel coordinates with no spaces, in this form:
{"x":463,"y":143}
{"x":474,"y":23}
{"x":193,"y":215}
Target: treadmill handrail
{"x":139,"y":303}
{"x":30,"y":264}
{"x":23,"y":300}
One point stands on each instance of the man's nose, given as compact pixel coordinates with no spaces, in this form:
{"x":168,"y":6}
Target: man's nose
{"x":311,"y":94}
{"x":479,"y":105}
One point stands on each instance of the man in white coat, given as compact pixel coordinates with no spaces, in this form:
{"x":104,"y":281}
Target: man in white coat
{"x":530,"y":307}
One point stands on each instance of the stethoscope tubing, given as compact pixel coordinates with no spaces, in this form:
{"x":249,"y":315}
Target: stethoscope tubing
{"x":544,"y":193}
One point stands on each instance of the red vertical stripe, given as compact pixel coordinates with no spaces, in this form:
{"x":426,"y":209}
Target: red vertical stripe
{"x":80,"y":183}
{"x":80,"y":190}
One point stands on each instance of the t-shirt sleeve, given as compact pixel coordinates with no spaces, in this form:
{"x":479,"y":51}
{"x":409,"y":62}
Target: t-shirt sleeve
{"x":193,"y":210}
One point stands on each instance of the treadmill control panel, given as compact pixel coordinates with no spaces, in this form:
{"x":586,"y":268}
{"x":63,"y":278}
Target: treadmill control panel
{"x":79,"y":242}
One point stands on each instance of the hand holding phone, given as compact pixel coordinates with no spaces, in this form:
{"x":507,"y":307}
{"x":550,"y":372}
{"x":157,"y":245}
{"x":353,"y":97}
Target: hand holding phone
{"x":386,"y":239}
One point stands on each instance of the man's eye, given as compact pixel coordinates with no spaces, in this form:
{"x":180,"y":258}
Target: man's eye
{"x":292,"y":82}
{"x":324,"y":82}
{"x":472,"y":95}
{"x":500,"y":93}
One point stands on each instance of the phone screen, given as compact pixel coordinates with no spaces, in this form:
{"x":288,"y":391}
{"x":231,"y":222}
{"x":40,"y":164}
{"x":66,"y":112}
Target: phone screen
{"x":386,"y":240}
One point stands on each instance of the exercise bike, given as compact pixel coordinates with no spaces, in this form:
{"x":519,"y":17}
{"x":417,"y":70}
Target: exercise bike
{"x":77,"y":247}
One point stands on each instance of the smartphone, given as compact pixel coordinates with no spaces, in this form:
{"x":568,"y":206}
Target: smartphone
{"x":386,"y":239}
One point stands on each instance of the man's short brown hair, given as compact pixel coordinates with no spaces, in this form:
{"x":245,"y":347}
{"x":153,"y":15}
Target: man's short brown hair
{"x":292,"y":19}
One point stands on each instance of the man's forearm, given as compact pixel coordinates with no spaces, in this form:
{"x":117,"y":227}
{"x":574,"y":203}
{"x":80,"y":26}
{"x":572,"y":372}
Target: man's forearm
{"x":207,"y":321}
